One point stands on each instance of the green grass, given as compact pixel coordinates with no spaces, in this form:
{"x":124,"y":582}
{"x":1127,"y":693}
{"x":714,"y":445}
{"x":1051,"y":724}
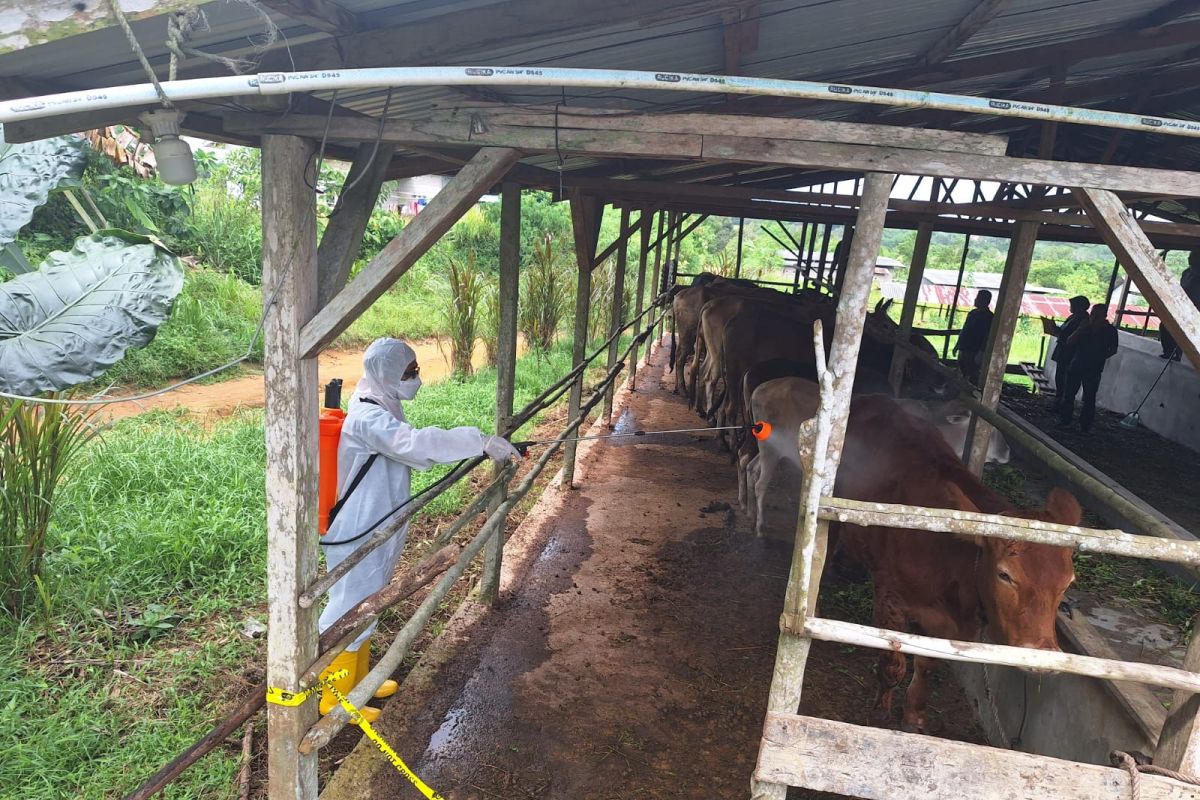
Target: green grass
{"x":215,"y":316}
{"x":211,"y":324}
{"x":157,"y":555}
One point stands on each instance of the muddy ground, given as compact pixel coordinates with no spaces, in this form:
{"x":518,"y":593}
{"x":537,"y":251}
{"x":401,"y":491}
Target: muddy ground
{"x":634,"y":658}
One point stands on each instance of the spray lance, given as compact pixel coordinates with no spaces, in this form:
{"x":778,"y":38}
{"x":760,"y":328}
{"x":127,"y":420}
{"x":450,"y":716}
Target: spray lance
{"x":759,"y":430}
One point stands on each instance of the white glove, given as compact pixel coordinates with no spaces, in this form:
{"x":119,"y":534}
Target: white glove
{"x":499,"y":450}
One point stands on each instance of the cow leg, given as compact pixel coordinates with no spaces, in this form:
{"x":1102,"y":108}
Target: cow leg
{"x":747,"y":477}
{"x":764,"y":466}
{"x":917,"y":695}
{"x":889,"y":613}
{"x":931,"y":623}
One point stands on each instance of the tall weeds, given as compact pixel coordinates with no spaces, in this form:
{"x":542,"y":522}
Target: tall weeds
{"x":37,"y":445}
{"x":545,"y":296}
{"x":462,"y":312}
{"x":490,"y":320}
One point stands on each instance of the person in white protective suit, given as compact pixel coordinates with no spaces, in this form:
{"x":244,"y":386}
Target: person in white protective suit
{"x":376,"y":455}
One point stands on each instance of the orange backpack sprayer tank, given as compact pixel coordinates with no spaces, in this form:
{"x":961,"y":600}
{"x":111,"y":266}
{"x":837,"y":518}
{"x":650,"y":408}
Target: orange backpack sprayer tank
{"x":331,"y":420}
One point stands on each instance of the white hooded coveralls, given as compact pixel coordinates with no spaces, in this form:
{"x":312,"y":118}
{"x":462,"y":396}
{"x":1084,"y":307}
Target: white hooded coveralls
{"x":381,"y":429}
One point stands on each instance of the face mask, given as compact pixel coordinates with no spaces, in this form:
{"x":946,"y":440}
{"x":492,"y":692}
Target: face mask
{"x":407,"y":390}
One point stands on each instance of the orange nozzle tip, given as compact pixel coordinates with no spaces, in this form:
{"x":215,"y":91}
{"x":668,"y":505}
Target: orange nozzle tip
{"x":761,"y":430}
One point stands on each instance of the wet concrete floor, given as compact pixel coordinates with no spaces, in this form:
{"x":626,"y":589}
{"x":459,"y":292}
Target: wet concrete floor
{"x":633,"y":658}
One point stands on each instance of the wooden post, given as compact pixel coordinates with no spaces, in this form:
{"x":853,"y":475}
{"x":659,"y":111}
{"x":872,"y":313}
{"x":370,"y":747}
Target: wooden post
{"x":1004,"y":326}
{"x":1117,"y":227}
{"x":656,"y":281}
{"x":344,"y":234}
{"x":618,"y":309}
{"x":962,"y":266}
{"x":912,"y":295}
{"x":506,"y":364}
{"x":643,"y":254}
{"x":791,"y":657}
{"x":1179,"y":744}
{"x":737,"y":270}
{"x":585,"y":216}
{"x":824,"y":254}
{"x":290,"y":274}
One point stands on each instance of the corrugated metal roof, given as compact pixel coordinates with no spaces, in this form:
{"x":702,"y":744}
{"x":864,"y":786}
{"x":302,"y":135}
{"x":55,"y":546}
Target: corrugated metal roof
{"x":840,"y":40}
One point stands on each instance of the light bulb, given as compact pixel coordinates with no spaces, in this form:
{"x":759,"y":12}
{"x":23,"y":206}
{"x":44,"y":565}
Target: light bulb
{"x":172,"y":155}
{"x":174,"y":159}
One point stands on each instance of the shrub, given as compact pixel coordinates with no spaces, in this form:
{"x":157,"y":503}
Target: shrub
{"x":545,"y":296}
{"x":490,"y":320}
{"x":466,"y":287}
{"x":227,"y":230}
{"x":37,"y":442}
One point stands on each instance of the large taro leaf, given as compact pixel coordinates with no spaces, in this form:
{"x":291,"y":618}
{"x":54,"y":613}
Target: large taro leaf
{"x":29,"y":172}
{"x":80,"y":311}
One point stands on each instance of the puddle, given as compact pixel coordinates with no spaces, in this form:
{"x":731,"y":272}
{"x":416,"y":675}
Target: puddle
{"x":442,"y":743}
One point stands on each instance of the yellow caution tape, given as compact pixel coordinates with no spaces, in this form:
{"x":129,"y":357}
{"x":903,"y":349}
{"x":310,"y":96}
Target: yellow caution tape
{"x":282,"y":697}
{"x":285,"y":698}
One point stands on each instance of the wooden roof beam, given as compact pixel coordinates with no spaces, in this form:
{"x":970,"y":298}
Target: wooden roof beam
{"x":756,"y":142}
{"x":324,"y":15}
{"x":957,"y":36}
{"x":739,"y":32}
{"x":1163,"y":15}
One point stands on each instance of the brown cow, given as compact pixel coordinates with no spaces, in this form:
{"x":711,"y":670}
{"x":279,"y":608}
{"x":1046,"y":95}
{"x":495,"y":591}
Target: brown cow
{"x":686,"y":303}
{"x":711,"y":341}
{"x":942,"y":585}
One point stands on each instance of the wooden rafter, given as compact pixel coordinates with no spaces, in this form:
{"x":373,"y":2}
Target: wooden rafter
{"x":324,"y":15}
{"x":957,"y":36}
{"x":739,"y":33}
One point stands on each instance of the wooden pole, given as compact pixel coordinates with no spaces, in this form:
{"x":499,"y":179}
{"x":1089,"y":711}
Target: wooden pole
{"x":506,"y":363}
{"x":618,"y":309}
{"x":1004,"y":326}
{"x":962,"y":266}
{"x":583,"y":211}
{"x":737,"y":270}
{"x":656,"y":287}
{"x":824,"y":254}
{"x":1118,"y":228}
{"x":912,"y":295}
{"x":643,"y":254}
{"x":791,"y":657}
{"x":478,"y":176}
{"x":1179,"y":743}
{"x":290,"y":274}
{"x":344,"y":234}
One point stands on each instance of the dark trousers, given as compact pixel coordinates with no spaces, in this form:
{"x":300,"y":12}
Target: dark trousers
{"x":1086,"y":376}
{"x":1169,"y":348}
{"x":968,"y":364}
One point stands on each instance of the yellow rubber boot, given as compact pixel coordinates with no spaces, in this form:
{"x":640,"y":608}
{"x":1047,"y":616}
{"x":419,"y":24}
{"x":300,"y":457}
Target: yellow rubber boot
{"x":348,"y":661}
{"x":388,"y":687}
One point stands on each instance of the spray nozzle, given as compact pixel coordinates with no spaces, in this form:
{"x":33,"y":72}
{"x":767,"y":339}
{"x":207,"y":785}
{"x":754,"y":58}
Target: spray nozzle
{"x":333,"y":393}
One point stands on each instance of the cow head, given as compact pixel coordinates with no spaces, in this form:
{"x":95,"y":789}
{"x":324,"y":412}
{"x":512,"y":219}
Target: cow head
{"x":1022,"y":583}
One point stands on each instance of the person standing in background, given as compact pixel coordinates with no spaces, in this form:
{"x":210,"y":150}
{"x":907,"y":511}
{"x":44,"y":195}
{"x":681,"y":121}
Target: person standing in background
{"x":972,"y":339}
{"x":1094,"y":343}
{"x":1063,"y":351}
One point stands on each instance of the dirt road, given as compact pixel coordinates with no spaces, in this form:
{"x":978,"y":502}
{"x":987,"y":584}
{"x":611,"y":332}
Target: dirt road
{"x":247,"y":392}
{"x":633,"y":657}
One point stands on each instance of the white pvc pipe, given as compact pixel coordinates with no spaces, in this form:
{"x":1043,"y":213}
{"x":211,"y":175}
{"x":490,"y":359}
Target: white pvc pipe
{"x":271,"y":83}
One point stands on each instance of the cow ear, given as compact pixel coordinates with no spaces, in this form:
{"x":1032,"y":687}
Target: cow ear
{"x":957,"y":418}
{"x":1062,"y":507}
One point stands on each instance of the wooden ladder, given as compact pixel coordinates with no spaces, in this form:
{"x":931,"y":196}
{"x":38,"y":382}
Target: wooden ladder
{"x":1038,"y":376}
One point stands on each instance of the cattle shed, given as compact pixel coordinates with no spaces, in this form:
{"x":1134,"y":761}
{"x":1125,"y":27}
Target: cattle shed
{"x":1027,"y":119}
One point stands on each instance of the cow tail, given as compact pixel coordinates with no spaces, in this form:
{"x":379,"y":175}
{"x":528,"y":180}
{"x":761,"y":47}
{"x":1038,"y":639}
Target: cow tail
{"x":671,"y":360}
